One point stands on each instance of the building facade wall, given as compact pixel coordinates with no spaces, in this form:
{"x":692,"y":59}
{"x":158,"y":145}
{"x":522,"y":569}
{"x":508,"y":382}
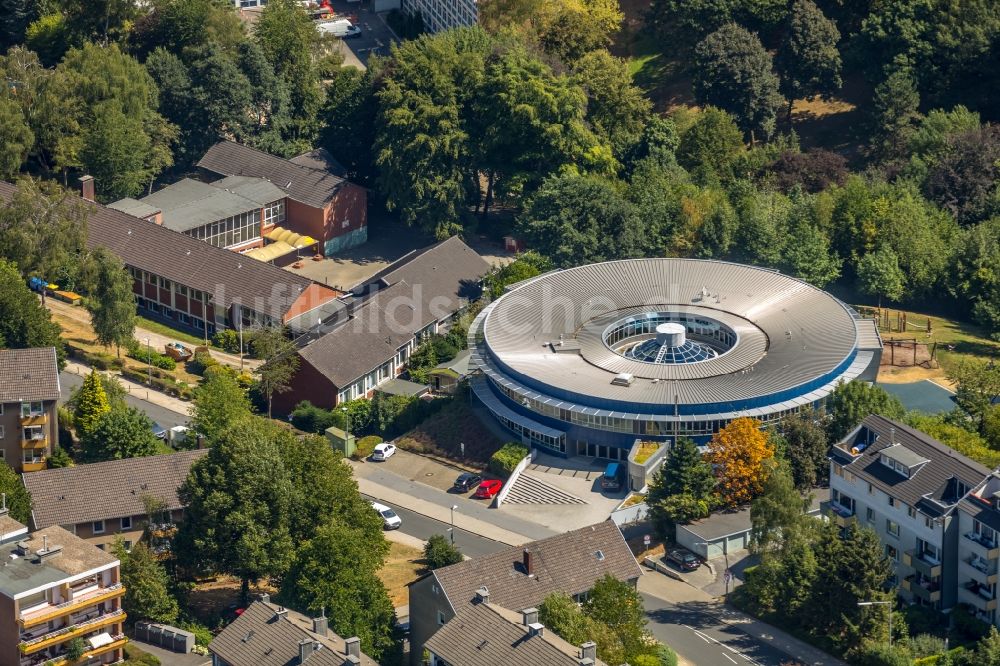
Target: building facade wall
{"x":429,"y":610}
{"x":441,"y":15}
{"x":977,"y":563}
{"x":899,"y":527}
{"x":114,"y":528}
{"x":308,"y":383}
{"x":12,"y":431}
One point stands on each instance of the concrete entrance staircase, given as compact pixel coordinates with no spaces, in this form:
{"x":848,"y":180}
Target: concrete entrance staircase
{"x":532,"y":490}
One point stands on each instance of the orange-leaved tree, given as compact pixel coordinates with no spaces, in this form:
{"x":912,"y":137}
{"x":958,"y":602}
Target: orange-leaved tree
{"x":737,"y":454}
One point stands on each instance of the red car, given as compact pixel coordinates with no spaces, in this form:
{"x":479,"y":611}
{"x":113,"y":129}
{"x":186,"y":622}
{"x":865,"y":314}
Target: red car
{"x":488,"y":488}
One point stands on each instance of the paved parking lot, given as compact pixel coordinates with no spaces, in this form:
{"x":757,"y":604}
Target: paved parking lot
{"x":375,"y":37}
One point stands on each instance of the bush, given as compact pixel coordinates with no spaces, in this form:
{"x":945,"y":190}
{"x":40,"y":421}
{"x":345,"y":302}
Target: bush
{"x":924,"y":620}
{"x":667,"y":656}
{"x":202,"y":634}
{"x":201,"y":361}
{"x":926,"y":645}
{"x":97,"y":360}
{"x":968,"y":626}
{"x":503,"y":462}
{"x":439,"y":552}
{"x":365,"y":446}
{"x":146,"y":355}
{"x":955,"y":654}
{"x":880,"y":654}
{"x":59,"y":458}
{"x":227,"y":340}
{"x":307,"y":417}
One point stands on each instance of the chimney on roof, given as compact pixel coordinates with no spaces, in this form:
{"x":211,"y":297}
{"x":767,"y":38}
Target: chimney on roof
{"x":352,"y":646}
{"x":529,"y":563}
{"x":87,"y":187}
{"x":305,"y":649}
{"x":281,"y":612}
{"x":265,"y":597}
{"x":529,"y":616}
{"x":483,"y":595}
{"x":352,"y":660}
{"x":536,"y":629}
{"x":199,"y":441}
{"x":320,"y":624}
{"x":588,"y":651}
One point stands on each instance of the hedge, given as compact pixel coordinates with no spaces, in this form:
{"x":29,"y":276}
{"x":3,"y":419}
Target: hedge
{"x":201,"y":361}
{"x":503,"y":461}
{"x":365,"y":446}
{"x":164,"y":384}
{"x":156,"y":359}
{"x":934,"y":658}
{"x":96,"y":360}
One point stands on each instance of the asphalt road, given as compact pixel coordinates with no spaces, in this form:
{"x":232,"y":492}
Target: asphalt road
{"x":424,"y":528}
{"x":165,"y":417}
{"x":702,"y":639}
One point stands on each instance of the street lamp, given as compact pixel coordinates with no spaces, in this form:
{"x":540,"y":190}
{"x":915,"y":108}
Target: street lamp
{"x":149,"y":362}
{"x":452,"y":530}
{"x":347,"y":432}
{"x":881,"y":603}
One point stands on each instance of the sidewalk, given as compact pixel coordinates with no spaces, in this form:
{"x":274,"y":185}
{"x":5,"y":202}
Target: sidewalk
{"x":682,"y":594}
{"x":141,"y":392}
{"x":472,"y":515}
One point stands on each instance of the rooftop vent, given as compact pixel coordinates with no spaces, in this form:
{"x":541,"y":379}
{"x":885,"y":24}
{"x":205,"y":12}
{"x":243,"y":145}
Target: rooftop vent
{"x":536,"y":629}
{"x":599,"y":555}
{"x":623,"y":379}
{"x":483,"y":595}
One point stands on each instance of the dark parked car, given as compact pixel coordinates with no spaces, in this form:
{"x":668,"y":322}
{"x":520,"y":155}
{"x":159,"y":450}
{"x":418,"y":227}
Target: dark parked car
{"x":612,"y":479}
{"x":466,"y":481}
{"x":684,"y":560}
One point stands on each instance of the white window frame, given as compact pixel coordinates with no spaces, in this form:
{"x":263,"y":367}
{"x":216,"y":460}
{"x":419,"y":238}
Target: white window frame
{"x":94,"y":529}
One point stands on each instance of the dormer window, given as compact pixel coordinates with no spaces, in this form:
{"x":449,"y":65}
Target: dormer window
{"x":902,"y":460}
{"x":895,"y":465}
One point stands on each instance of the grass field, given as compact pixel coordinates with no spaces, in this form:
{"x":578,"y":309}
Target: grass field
{"x":403,"y":566}
{"x":168,"y":331}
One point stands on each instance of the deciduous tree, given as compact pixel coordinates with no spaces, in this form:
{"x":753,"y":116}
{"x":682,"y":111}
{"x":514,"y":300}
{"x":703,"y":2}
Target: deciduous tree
{"x":733,"y":72}
{"x":619,"y":607}
{"x":616,"y":108}
{"x":18,"y":498}
{"x":808,"y":59}
{"x":738,"y":453}
{"x":879,"y":275}
{"x":237,"y":503}
{"x":778,"y":512}
{"x":120,"y":433}
{"x":851,"y":402}
{"x":439,"y":552}
{"x":281,"y":360}
{"x":336,"y":571}
{"x":147,"y":588}
{"x":219,"y":402}
{"x":16,"y":138}
{"x":111,"y":303}
{"x":807,"y":448}
{"x":24,"y":322}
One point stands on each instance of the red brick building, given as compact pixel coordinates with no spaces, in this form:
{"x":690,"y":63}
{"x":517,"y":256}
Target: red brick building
{"x":319,"y":203}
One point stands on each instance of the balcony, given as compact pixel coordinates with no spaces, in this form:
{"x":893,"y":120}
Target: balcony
{"x":117,"y":642}
{"x":924,"y":564}
{"x":978,"y":596}
{"x":927,"y":590}
{"x":69,"y":633}
{"x":986,"y":549}
{"x":36,"y":465}
{"x":842,"y":515}
{"x":53,"y":611}
{"x":34,"y":442}
{"x":980,"y":570}
{"x":34,"y":419}
{"x":162,"y":530}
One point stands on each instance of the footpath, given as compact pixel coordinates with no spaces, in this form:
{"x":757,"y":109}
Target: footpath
{"x":681,"y":594}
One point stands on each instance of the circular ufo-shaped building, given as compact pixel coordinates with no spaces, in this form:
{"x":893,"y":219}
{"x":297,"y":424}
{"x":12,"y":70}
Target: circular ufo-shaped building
{"x":587,"y":360}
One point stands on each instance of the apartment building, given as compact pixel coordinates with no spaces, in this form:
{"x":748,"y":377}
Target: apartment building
{"x":514,"y":580}
{"x":57,"y":589}
{"x":267,"y":634}
{"x":914,"y":492}
{"x":136,"y":494}
{"x":979,"y":549}
{"x":29,"y":389}
{"x":441,"y":15}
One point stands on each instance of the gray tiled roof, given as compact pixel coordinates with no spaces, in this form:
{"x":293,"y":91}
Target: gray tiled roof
{"x":259,"y":637}
{"x":487,"y":635}
{"x":931,"y":488}
{"x":134,"y":207}
{"x":67,"y":496}
{"x":566,"y":563}
{"x":420,"y":288}
{"x":320,"y":158}
{"x":28,"y":374}
{"x":313,"y":187}
{"x":229,"y":276}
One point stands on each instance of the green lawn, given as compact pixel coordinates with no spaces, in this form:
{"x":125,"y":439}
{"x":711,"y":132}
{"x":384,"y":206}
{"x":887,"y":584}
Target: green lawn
{"x":169,"y":331}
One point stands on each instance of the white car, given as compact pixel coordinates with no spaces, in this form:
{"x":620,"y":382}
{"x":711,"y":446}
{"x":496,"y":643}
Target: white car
{"x":341,"y":27}
{"x":383,"y":451}
{"x":390,"y":520}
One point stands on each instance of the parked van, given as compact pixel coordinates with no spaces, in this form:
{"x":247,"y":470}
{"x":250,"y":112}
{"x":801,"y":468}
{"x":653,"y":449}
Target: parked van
{"x":612,"y":479}
{"x":342,"y":28}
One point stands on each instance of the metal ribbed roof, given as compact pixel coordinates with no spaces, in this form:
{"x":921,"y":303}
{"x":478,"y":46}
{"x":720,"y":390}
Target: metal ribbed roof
{"x":790,"y":335}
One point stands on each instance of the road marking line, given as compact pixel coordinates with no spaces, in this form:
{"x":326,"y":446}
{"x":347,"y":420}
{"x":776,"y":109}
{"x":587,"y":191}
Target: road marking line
{"x":709,"y":639}
{"x":728,"y":657}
